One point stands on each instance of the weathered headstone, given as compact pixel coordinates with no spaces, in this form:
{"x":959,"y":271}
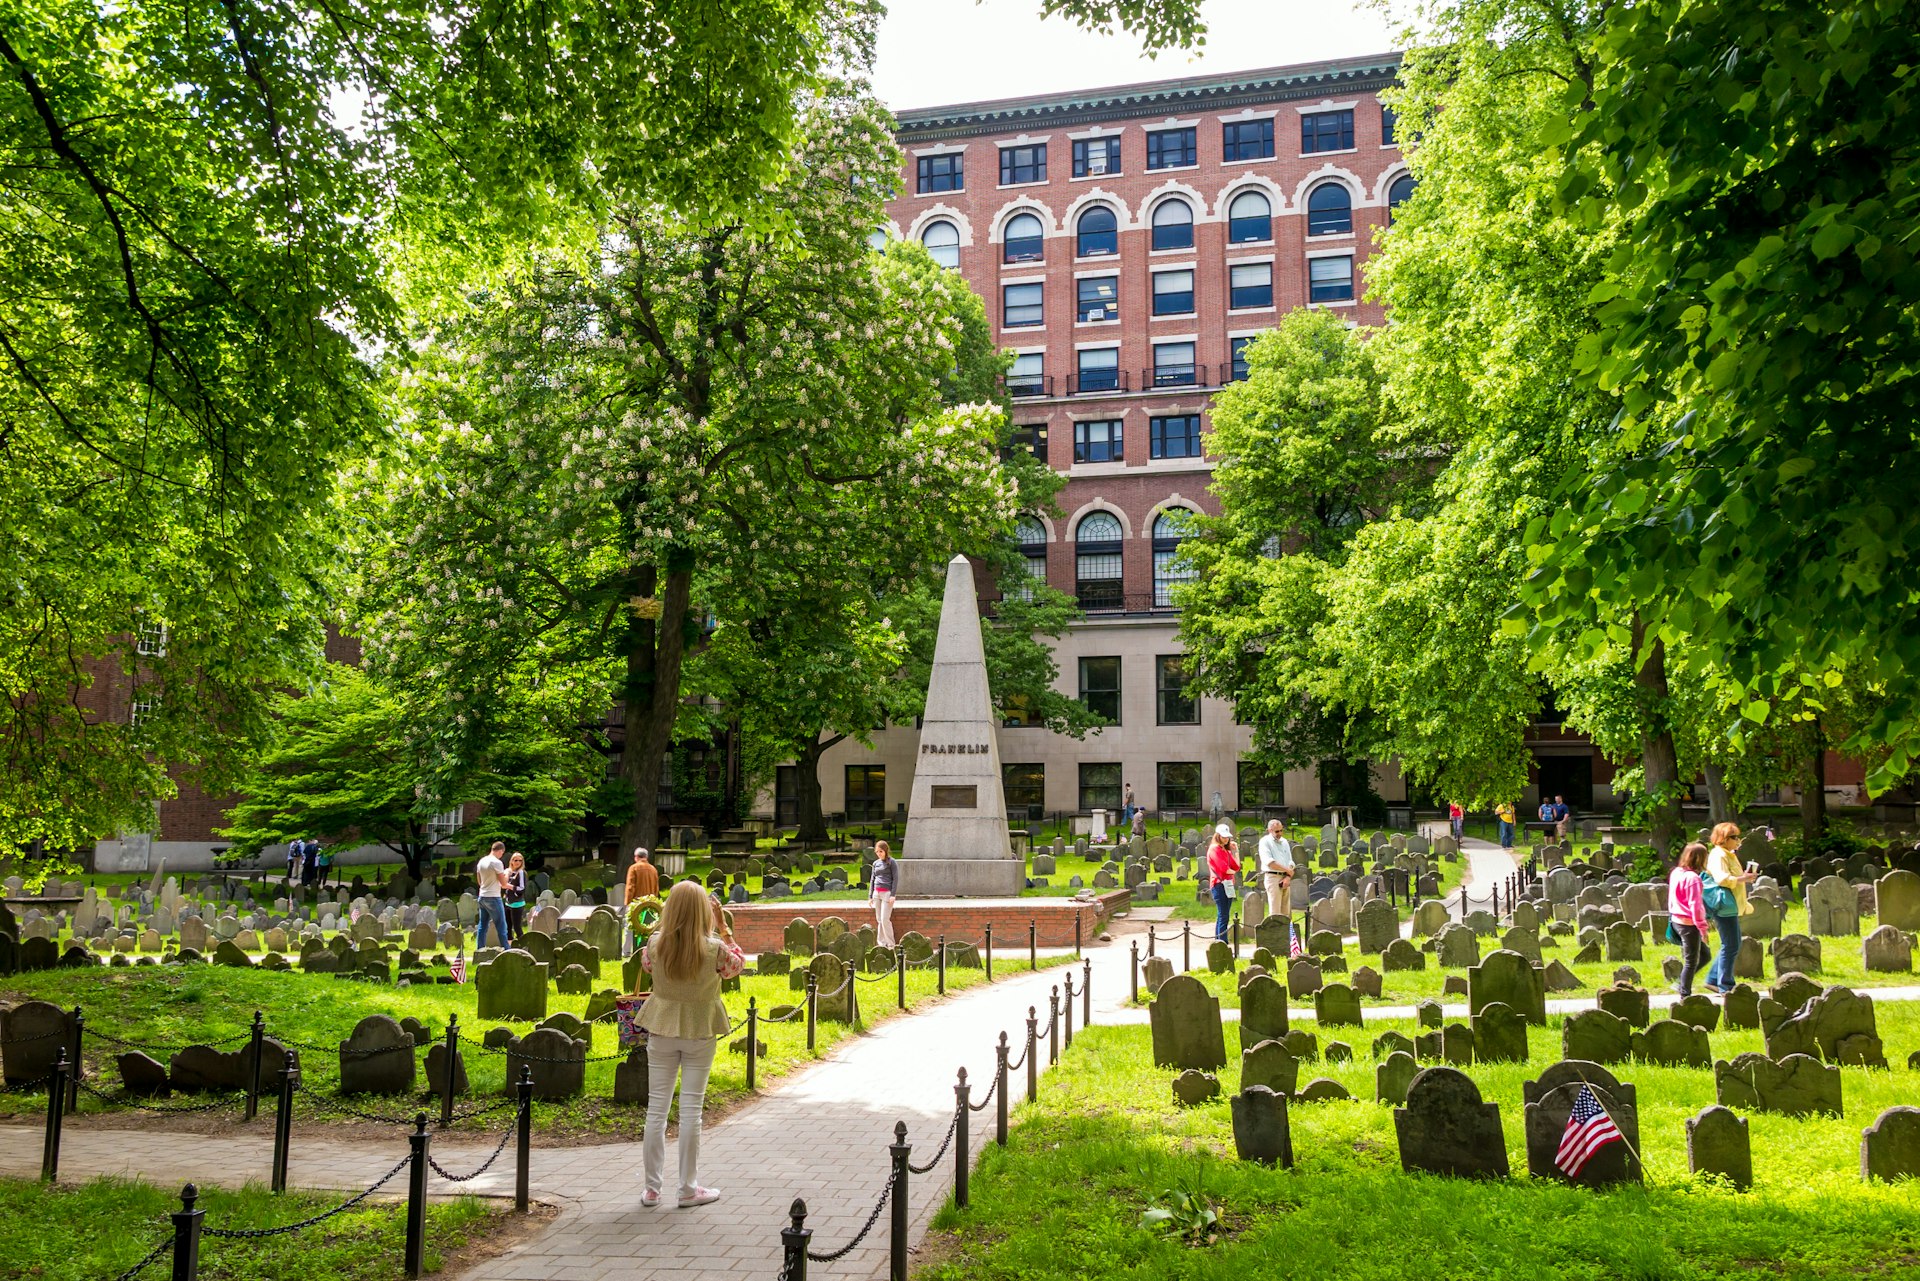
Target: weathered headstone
{"x":1630,"y":1003}
{"x":1550,"y":1100}
{"x":377,"y":1058}
{"x":1890,"y":1147}
{"x":1392,"y":1075}
{"x":1186,"y":1026}
{"x":1263,"y":1011}
{"x":557,"y":1061}
{"x":511,"y":986}
{"x":1596,"y":1036}
{"x":1798,"y":1085}
{"x":1833,"y":909}
{"x":1718,"y":1144}
{"x":1838,"y":1025}
{"x":1445,"y":1127}
{"x":1510,"y":978}
{"x":1194,"y":1087}
{"x":1269,"y":1064}
{"x":1499,"y":1034}
{"x":1671,"y":1043}
{"x":1260,"y":1131}
{"x":1377,"y":923}
{"x":1888,"y":950}
{"x":1155,"y":971}
{"x":1897,"y":899}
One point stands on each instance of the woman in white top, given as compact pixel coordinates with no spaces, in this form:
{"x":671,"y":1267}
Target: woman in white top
{"x":688,"y":956}
{"x":1724,"y":870}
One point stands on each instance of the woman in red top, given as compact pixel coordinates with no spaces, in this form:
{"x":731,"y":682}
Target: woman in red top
{"x":1223,"y":865}
{"x":1687,"y":913}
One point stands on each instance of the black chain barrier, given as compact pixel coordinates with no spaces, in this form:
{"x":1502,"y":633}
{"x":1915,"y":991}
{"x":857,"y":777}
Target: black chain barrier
{"x":254,"y":1234}
{"x":471,"y":1113}
{"x":326,"y":1104}
{"x":986,"y":1099}
{"x":150,"y":1047}
{"x":945,"y":1143}
{"x":124,"y":1099}
{"x":141,"y":1266}
{"x":542,"y":1058}
{"x":886,"y":1194}
{"x":505,"y":1139}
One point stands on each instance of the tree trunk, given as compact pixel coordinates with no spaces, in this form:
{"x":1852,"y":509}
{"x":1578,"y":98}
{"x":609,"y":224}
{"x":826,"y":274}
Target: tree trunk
{"x":650,"y":701}
{"x":1659,"y":765}
{"x":1813,"y":795}
{"x":806,"y":782}
{"x":1719,"y":804}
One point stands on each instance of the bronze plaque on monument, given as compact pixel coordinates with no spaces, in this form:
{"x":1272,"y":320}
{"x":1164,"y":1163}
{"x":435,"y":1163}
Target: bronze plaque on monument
{"x":950,"y":797}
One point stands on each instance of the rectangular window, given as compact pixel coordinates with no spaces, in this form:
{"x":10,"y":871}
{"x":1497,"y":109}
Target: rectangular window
{"x":1171,"y":149}
{"x":1260,"y":787}
{"x":1173,"y":705}
{"x":1025,"y":164}
{"x":1172,"y":293}
{"x":1100,"y":786}
{"x":942,"y":173}
{"x":1100,"y":686}
{"x":1028,"y":377}
{"x":1174,"y":436}
{"x":1020,"y":306}
{"x":1326,"y":131}
{"x":1026,"y":789}
{"x":1179,"y":784}
{"x":1250,"y":284}
{"x":1238,"y":346}
{"x":1248,"y":140}
{"x":1097,"y":442}
{"x":1094,"y":156}
{"x":1099,"y":369}
{"x":1330,"y":279}
{"x":1389,"y":118}
{"x":150,"y":640}
{"x":866,"y":793}
{"x":143,"y":709}
{"x":1099,"y":297}
{"x":1027,"y":438}
{"x":1173,"y":365}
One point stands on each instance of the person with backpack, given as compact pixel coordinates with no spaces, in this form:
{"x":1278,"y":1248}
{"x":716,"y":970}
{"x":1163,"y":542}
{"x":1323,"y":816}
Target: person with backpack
{"x":1687,"y":914}
{"x":1725,"y":894}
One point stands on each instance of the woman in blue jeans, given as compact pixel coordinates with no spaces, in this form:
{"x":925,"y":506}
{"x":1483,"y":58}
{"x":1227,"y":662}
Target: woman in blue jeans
{"x":1223,"y":865}
{"x":1724,"y":870}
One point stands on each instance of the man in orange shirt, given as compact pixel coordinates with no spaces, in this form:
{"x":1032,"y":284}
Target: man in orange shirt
{"x":643,"y":878}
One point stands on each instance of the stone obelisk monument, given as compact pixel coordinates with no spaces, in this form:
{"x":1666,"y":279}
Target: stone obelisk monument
{"x":956,"y":843}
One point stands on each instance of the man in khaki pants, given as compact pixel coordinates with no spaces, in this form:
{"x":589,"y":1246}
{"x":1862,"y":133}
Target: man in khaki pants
{"x":1276,"y":868}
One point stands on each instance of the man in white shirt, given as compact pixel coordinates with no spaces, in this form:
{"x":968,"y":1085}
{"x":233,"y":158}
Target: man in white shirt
{"x":1276,"y":867}
{"x":492,"y":907}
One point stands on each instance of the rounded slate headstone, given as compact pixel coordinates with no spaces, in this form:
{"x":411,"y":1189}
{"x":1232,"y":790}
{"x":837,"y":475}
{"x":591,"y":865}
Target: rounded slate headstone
{"x":1890,"y":1147}
{"x":1718,"y":1144}
{"x":1260,"y":1131}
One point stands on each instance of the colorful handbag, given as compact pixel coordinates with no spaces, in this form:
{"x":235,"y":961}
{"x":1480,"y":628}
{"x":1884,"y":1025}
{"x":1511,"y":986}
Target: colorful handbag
{"x":626,"y":1017}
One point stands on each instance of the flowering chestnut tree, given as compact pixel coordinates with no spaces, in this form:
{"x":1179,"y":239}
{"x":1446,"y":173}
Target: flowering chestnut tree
{"x":616,"y":453}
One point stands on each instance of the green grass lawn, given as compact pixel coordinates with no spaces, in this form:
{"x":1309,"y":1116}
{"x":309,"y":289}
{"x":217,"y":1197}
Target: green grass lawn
{"x":1063,"y":1200}
{"x":174,"y":1005}
{"x":1840,"y":962}
{"x":99,"y":1229}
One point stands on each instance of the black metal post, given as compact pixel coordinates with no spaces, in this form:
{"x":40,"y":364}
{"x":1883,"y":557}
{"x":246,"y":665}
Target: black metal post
{"x":1133,"y":971}
{"x":1086,"y":995}
{"x":1236,"y":936}
{"x":813,"y":1007}
{"x":1152,"y":938}
{"x":1186,"y":946}
{"x":1053,"y":1024}
{"x":794,"y":1241}
{"x":417,"y":1198}
{"x":899,"y":976}
{"x":283,"y":1119}
{"x":253,"y":1074}
{"x":1069,"y":997}
{"x":75,"y":1064}
{"x":1033,"y":945}
{"x":853,"y":995}
{"x":989,"y":951}
{"x":1000,"y":1090}
{"x":453,"y":1058}
{"x":753,"y":1038}
{"x":186,"y":1235}
{"x":943,"y":965}
{"x":901,"y":1149}
{"x":523,"y":1145}
{"x":963,"y":1111}
{"x":1033,"y":1045}
{"x":1076,"y":932}
{"x":56,"y":1111}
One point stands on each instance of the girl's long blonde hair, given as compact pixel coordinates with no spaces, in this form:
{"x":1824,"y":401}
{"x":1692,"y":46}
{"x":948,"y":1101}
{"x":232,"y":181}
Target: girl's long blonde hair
{"x":680,"y":943}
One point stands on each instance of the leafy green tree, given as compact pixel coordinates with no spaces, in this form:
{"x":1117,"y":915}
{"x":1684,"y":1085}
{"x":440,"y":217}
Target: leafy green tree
{"x":611,"y":459}
{"x":1754,"y":497}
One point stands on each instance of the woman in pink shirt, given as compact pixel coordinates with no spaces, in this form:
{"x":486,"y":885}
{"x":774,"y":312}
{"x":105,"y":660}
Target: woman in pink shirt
{"x":1687,"y":913}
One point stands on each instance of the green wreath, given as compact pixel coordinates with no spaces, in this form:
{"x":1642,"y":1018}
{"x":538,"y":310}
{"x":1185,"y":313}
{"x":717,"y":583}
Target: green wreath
{"x":643,"y":915}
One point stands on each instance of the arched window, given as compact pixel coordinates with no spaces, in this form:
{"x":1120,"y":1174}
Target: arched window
{"x":1329,"y":210}
{"x":1173,"y":224}
{"x":1031,"y":536}
{"x":1249,"y":218}
{"x":877,"y":239}
{"x":1098,"y":233}
{"x":942,"y":240}
{"x":1023,"y":241}
{"x":1398,"y":193}
{"x":1098,"y":580}
{"x":1170,"y":528}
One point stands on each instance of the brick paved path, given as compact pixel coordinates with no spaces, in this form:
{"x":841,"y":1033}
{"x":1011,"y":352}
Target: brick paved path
{"x":820,"y":1134}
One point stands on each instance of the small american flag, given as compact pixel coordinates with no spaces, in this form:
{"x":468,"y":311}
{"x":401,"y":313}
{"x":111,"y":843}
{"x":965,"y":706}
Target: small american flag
{"x":1589,"y":1129}
{"x":459,"y":967}
{"x":1293,"y":940}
